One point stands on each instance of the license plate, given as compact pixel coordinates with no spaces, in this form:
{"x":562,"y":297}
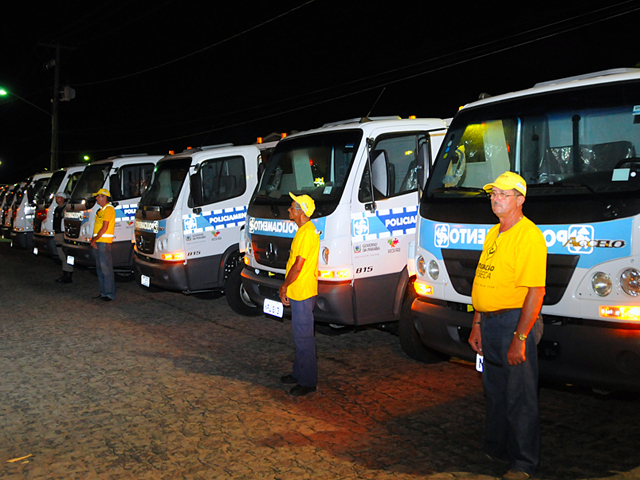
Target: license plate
{"x":271,"y":307}
{"x":145,"y":281}
{"x":35,"y":250}
{"x":71,"y":260}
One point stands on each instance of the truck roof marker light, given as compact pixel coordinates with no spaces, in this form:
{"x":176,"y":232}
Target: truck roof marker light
{"x":422,"y":288}
{"x":621,"y":312}
{"x":283,"y":135}
{"x":412,"y":117}
{"x":259,"y":140}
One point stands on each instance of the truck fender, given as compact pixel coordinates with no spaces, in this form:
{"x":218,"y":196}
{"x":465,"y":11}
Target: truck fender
{"x":401,"y":290}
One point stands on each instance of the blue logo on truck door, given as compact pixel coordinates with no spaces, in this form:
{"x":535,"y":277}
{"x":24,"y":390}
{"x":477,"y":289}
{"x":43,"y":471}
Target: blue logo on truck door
{"x":214,"y":220}
{"x":595,"y":243}
{"x":383,"y":223}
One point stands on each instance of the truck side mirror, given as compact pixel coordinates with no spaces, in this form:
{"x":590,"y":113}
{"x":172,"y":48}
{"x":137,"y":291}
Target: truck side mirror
{"x":196,"y":189}
{"x":114,"y":186}
{"x":422,"y":166}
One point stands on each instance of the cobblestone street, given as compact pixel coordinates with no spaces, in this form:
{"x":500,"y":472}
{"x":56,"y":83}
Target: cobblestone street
{"x":162,"y":385}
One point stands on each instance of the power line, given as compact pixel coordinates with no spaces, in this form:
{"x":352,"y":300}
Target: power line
{"x":196,"y":52}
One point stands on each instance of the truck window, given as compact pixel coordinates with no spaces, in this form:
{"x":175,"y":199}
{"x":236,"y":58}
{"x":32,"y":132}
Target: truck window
{"x":394,"y":159}
{"x":132,"y":180}
{"x":71,"y":182}
{"x":222,"y":179}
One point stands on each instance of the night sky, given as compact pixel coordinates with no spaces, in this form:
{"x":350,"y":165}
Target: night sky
{"x":165,"y":75}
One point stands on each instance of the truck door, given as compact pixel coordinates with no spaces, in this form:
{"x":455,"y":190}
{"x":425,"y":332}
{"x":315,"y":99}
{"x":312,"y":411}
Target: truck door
{"x":383,"y":221}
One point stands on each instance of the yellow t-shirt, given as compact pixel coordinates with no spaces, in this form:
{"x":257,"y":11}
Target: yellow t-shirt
{"x":510,"y":263}
{"x":306,"y":244}
{"x":105,"y":214}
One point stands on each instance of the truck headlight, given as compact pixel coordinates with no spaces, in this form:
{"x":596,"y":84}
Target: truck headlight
{"x":630,"y":282}
{"x":601,"y":284}
{"x":420,"y":266}
{"x":434,"y":270}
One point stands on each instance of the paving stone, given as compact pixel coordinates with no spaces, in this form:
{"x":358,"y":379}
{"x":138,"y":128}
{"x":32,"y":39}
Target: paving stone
{"x":159,"y":385}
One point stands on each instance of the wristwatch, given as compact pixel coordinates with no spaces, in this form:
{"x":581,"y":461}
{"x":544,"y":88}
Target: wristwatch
{"x":521,"y":336}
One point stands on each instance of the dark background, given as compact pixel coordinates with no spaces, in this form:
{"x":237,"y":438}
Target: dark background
{"x":165,"y":75}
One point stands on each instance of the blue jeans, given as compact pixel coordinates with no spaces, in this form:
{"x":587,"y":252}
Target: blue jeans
{"x":104,"y":265}
{"x":305,"y":364}
{"x":511,"y":392}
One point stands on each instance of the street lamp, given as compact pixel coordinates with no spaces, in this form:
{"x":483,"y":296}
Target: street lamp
{"x":5,"y":93}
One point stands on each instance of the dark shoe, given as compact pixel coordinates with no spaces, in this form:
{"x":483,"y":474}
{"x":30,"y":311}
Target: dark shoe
{"x":515,"y":475}
{"x":300,"y":391}
{"x":107,"y":299}
{"x":98,"y":297}
{"x":66,"y":278}
{"x":289,"y":380}
{"x":497,"y":459}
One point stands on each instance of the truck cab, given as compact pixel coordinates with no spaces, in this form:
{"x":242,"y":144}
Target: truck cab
{"x":125,"y":177}
{"x":363,"y":175}
{"x":61,"y":181}
{"x":188,"y":224}
{"x":575,"y":143}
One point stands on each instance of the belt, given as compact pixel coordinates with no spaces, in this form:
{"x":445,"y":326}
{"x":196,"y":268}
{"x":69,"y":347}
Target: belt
{"x":497,"y":312}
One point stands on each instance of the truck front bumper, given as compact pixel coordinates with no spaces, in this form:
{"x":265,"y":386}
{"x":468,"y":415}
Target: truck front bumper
{"x":334,"y":303}
{"x":572,"y":351}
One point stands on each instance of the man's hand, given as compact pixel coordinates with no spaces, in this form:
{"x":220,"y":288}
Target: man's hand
{"x":282,"y":291}
{"x":92,"y":242}
{"x":516,"y":352}
{"x":475,"y":339}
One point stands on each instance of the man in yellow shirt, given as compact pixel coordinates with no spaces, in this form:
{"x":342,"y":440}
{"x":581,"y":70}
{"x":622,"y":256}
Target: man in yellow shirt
{"x":507,"y":295}
{"x":103,"y":230}
{"x":300,"y":289}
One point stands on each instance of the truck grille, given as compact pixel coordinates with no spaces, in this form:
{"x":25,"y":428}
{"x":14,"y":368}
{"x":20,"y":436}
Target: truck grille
{"x":461,"y":266}
{"x":271,"y":251}
{"x":72,"y":228}
{"x":145,"y":242}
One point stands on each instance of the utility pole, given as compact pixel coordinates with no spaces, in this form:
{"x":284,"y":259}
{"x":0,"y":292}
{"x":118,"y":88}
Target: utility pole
{"x":69,"y":94}
{"x":54,"y":113}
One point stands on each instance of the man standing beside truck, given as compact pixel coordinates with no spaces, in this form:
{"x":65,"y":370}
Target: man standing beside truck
{"x":300,"y":289}
{"x":507,"y":295}
{"x":58,"y":237}
{"x":103,"y":231}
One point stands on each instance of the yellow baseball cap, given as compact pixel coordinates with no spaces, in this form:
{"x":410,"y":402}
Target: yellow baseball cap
{"x":102,"y":191}
{"x":508,"y":181}
{"x":306,"y":203}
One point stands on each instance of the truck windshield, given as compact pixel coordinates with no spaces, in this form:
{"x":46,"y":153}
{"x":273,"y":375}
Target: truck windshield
{"x":562,"y":142}
{"x":36,"y":189}
{"x":317,"y":165}
{"x":166,"y":184}
{"x":52,"y":188}
{"x":90,"y":182}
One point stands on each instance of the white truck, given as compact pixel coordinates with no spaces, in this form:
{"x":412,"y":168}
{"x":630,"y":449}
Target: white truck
{"x":188,"y":223}
{"x":125,"y":177}
{"x":575,"y":142}
{"x":6,"y":207}
{"x":24,"y":210}
{"x":364,"y":176}
{"x":62,"y":180}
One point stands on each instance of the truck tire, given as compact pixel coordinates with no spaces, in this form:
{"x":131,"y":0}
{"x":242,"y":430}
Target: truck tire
{"x":237,"y":297}
{"x":409,"y":339}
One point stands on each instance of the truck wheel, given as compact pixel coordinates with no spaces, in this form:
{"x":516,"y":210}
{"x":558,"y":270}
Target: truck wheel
{"x":237,"y":297}
{"x":409,"y":339}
